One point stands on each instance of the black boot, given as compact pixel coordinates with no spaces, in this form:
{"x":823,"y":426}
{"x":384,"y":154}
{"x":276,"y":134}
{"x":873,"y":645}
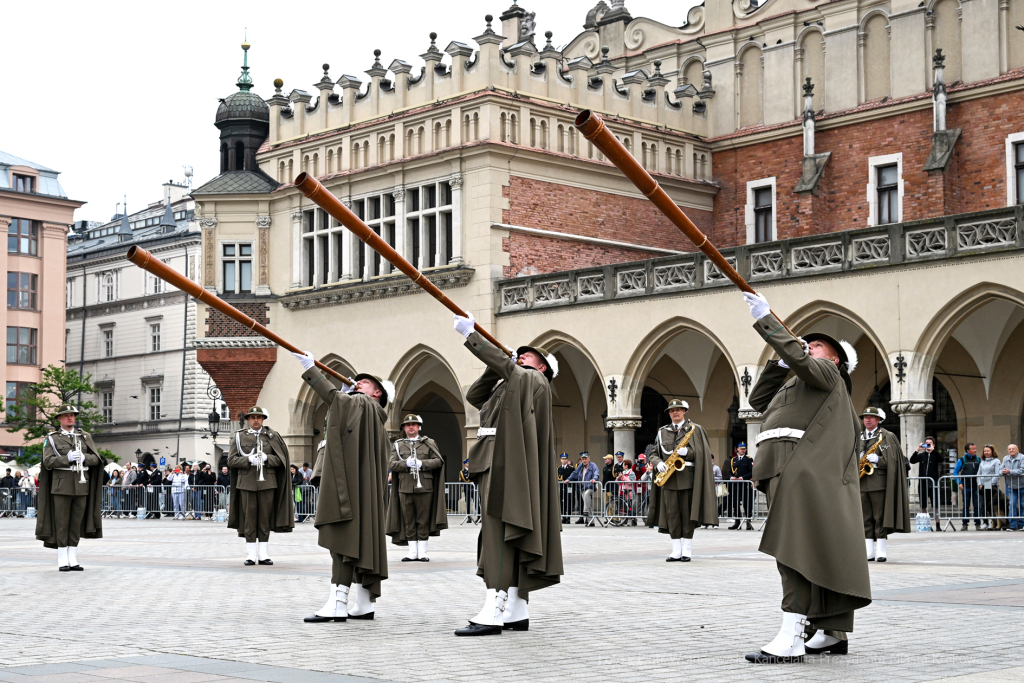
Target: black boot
{"x":736,"y":524}
{"x":479,"y":630}
{"x":765,"y":658}
{"x":749,"y":527}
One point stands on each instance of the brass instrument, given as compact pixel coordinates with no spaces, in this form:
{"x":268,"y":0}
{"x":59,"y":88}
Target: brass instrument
{"x":415,"y":470}
{"x":675,"y":461}
{"x":260,"y":458}
{"x":865,"y":466}
{"x":80,"y":465}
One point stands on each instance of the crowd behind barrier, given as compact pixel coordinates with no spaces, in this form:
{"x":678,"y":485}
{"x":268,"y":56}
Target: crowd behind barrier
{"x":989,"y":495}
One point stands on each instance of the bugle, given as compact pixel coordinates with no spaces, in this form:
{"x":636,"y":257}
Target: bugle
{"x":143,"y":259}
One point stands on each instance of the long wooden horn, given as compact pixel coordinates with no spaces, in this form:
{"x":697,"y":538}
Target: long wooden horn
{"x":143,"y":259}
{"x":593,"y":129}
{"x":319,"y":195}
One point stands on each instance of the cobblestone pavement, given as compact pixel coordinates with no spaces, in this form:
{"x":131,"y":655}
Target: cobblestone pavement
{"x":163,"y":588}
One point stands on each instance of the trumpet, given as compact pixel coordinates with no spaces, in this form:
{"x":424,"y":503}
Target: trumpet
{"x":80,"y":465}
{"x":260,"y":457}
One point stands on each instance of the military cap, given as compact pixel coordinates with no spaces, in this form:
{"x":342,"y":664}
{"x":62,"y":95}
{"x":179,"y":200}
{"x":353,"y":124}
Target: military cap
{"x":411,"y":419}
{"x":66,"y":409}
{"x":386,"y":388}
{"x":874,"y":412}
{"x":677,"y":403}
{"x":549,"y":359}
{"x":256,"y":410}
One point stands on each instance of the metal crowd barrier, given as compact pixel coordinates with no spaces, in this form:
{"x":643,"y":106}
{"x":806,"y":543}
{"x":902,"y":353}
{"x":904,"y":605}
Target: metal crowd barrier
{"x":152,"y":502}
{"x":7,"y":503}
{"x":305,"y":501}
{"x":974,"y":498}
{"x":585,"y":501}
{"x":923,"y":501}
{"x":462,"y":499}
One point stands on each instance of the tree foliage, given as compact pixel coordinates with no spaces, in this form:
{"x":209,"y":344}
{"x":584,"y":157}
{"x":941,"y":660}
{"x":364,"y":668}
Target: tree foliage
{"x":35,"y":413}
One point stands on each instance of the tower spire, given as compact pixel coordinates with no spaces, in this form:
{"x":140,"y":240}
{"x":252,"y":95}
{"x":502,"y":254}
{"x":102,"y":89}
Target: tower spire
{"x":245,"y":80}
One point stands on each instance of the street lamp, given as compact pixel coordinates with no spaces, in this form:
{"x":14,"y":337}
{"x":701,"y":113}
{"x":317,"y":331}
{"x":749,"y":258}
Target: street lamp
{"x":138,"y":455}
{"x":214,"y":418}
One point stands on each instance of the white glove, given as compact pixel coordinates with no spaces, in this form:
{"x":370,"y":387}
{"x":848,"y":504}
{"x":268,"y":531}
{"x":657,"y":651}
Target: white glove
{"x":782,"y":364}
{"x":410,"y":462}
{"x":662,"y":467}
{"x":75,"y":456}
{"x":873,"y":458}
{"x":417,"y":463}
{"x":684,"y":450}
{"x":253,"y":459}
{"x":347,"y":388}
{"x":306,"y":359}
{"x":464,"y":326}
{"x":759,"y":307}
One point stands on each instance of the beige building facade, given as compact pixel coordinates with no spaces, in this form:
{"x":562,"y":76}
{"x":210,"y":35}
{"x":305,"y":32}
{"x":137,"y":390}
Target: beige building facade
{"x":850,"y":207}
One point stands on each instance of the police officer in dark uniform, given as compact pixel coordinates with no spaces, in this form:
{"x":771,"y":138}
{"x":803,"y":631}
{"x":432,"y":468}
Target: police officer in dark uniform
{"x":742,"y":470}
{"x":565,"y":468}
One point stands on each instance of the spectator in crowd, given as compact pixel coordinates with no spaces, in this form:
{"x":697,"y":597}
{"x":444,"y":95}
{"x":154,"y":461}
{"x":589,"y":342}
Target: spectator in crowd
{"x":8,"y":487}
{"x":27,"y":491}
{"x":965,"y":471}
{"x":306,"y":473}
{"x":721,"y":490}
{"x":297,"y":482}
{"x":589,"y":478}
{"x":209,"y":480}
{"x":989,"y":473}
{"x":929,"y":464}
{"x":195,"y":480}
{"x":8,"y":481}
{"x":224,"y":482}
{"x":168,"y":495}
{"x":1013,"y":472}
{"x":466,"y":491}
{"x":608,"y":473}
{"x":742,"y":470}
{"x":179,"y":484}
{"x":113,"y":494}
{"x":626,"y":477}
{"x":641,"y":466}
{"x":565,"y":469}
{"x":127,"y":492}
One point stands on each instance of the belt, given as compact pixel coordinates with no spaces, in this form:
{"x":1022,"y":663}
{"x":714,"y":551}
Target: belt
{"x":486,"y":431}
{"x":780,"y":433}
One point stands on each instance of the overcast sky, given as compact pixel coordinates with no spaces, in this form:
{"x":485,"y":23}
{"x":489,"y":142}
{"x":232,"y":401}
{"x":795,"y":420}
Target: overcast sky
{"x":119,"y":96}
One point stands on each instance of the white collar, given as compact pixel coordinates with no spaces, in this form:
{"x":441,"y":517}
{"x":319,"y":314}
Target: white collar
{"x":252,"y":431}
{"x":64,"y":433}
{"x":676,"y":427}
{"x":871,"y":435}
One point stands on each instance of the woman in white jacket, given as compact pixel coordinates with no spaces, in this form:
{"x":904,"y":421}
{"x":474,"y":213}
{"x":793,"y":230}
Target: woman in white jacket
{"x":179,"y":484}
{"x":989,"y":472}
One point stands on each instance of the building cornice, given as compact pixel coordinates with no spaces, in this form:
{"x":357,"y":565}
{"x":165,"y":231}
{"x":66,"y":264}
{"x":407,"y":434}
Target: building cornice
{"x":115,"y":253}
{"x":126,"y":306}
{"x":8,"y":195}
{"x":210,"y":343}
{"x":387,"y":287}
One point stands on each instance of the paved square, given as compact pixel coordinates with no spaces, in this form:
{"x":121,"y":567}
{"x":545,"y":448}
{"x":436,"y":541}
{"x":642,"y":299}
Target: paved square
{"x":171,"y":601}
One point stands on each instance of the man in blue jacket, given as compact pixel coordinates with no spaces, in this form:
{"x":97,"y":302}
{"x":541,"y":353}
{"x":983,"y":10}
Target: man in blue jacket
{"x":967,"y":466}
{"x":590,"y":477}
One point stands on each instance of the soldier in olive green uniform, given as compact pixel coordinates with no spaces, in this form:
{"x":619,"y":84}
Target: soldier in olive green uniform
{"x":687,"y":498}
{"x":418,"y":510}
{"x":513,"y":463}
{"x":807,"y":464}
{"x":70,"y":482}
{"x":261,"y":488}
{"x":883,"y":493}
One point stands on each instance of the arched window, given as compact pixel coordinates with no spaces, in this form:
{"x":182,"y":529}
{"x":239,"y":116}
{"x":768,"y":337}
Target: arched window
{"x":543,"y":134}
{"x":330,"y":161}
{"x":514,"y":129}
{"x":409,"y":137}
{"x":382,"y":144}
{"x":305,"y":164}
{"x":643,"y":156}
{"x":280,"y":172}
{"x":448,"y":133}
{"x":751,"y":87}
{"x":437,"y":135}
{"x":355,"y":156}
{"x":465,"y":128}
{"x":316,"y":165}
{"x":239,"y":156}
{"x":291,"y":170}
{"x":421,"y":133}
{"x":679,"y":162}
{"x":391,"y":147}
{"x":366,"y":153}
{"x":572,"y":140}
{"x":533,"y":132}
{"x":504,"y":127}
{"x":668,"y":160}
{"x":628,"y":144}
{"x":653,"y":158}
{"x":693,"y":73}
{"x":107,"y":288}
{"x":476,"y":126}
{"x":704,"y":167}
{"x":224,"y":166}
{"x":590,"y":149}
{"x":874,"y":57}
{"x":561,"y":138}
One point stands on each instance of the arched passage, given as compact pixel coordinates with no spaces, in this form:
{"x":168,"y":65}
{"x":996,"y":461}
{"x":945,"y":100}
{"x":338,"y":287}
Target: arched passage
{"x":682,"y":359}
{"x":426,"y":385}
{"x":579,"y":406}
{"x":974,"y":348}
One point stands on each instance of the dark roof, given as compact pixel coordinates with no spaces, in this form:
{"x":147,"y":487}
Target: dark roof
{"x":243,"y":105}
{"x":238,"y":182}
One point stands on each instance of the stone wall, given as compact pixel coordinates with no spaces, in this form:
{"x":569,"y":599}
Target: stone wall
{"x":219,"y":325}
{"x":239,"y":373}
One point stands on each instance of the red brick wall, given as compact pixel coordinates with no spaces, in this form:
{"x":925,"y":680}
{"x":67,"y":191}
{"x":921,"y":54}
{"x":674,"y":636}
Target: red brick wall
{"x":219,"y":325}
{"x":974,"y":180}
{"x":533,"y":254}
{"x":239,"y":373}
{"x":550,"y":206}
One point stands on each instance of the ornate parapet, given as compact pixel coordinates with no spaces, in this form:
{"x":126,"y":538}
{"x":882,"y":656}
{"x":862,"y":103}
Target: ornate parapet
{"x":750,"y":416}
{"x":379,"y":288}
{"x":912,"y":407}
{"x":233,"y":343}
{"x":622,"y":423}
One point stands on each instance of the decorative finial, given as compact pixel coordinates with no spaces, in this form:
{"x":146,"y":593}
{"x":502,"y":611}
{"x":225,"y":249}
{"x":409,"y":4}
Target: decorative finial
{"x":808,"y":87}
{"x":604,"y":53}
{"x":488,"y":18}
{"x":376,"y":58}
{"x":657,"y":67}
{"x":939,"y":60}
{"x":549,"y":46}
{"x":326,"y":67}
{"x":244,"y":82}
{"x":278,"y":84}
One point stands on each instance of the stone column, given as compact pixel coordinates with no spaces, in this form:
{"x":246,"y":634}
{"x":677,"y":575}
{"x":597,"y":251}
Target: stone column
{"x":753,"y":420}
{"x":912,"y":414}
{"x":623,"y":435}
{"x":456,"y":256}
{"x":400,"y":228}
{"x":208,"y":226}
{"x":262,"y":271}
{"x":296,"y":248}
